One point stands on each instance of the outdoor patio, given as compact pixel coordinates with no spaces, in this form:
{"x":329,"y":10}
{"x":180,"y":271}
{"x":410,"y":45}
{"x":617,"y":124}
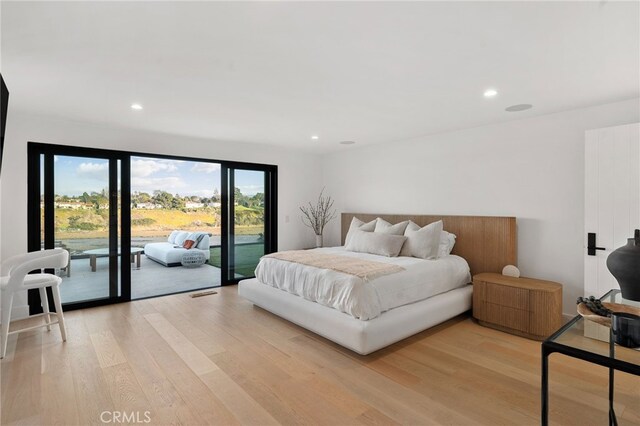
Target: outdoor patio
{"x":151,"y":279}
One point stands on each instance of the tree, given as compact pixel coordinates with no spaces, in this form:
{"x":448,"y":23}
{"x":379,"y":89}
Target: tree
{"x":258,"y":200}
{"x":169,"y":201}
{"x":241,"y":200}
{"x":98,"y":201}
{"x":143,"y":197}
{"x":164,"y":199}
{"x":177,"y":203}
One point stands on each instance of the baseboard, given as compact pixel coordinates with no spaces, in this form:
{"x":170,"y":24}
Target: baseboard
{"x":568,"y":317}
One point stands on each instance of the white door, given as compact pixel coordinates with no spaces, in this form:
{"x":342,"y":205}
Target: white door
{"x":612,"y":199}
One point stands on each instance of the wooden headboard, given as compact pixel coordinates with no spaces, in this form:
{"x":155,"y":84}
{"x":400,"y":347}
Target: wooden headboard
{"x":487,"y":243}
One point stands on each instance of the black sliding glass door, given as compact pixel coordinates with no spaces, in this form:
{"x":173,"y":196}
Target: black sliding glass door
{"x":85,"y":223}
{"x":75,"y":200}
{"x":249,"y":227}
{"x":118,"y":214}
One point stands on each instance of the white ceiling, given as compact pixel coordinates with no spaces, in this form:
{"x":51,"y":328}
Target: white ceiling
{"x":278,"y":72}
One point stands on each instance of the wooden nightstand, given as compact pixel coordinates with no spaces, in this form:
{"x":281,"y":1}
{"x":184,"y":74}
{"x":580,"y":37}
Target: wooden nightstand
{"x":527,"y":307}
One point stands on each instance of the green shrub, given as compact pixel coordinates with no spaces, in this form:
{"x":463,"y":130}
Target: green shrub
{"x":86,"y":226}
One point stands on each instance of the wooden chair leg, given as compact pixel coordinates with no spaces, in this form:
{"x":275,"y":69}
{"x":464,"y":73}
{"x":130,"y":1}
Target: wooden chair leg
{"x":59,"y":314}
{"x":7,"y":303}
{"x":44,"y":301}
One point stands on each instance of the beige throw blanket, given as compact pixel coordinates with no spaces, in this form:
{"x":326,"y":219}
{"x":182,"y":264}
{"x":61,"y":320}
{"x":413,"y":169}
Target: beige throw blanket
{"x":365,"y":269}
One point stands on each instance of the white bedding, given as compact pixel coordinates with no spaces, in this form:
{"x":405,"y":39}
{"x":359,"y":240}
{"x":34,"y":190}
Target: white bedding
{"x":420,"y":280}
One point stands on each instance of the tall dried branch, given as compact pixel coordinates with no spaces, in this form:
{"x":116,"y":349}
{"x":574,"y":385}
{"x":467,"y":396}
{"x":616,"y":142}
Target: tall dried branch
{"x":317,"y":216}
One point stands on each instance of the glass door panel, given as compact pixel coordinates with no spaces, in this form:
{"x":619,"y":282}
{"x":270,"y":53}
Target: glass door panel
{"x":247,"y":237}
{"x":83,"y":216}
{"x":173,"y":201}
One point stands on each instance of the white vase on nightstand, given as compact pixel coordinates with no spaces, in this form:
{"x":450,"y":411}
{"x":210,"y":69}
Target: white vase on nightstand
{"x":319,"y":240}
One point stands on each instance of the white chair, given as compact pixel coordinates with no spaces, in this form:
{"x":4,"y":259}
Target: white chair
{"x":16,"y":277}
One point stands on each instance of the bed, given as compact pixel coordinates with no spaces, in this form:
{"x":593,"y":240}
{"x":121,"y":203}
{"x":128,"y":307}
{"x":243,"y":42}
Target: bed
{"x":485,"y":244}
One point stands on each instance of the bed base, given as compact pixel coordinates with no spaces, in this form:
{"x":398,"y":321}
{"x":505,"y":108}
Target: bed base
{"x":363,"y":337}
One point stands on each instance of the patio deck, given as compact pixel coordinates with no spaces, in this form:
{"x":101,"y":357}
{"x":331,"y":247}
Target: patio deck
{"x":151,"y":279}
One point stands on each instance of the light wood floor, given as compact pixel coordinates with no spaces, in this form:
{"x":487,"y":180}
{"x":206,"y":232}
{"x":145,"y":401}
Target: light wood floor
{"x":219,"y":360}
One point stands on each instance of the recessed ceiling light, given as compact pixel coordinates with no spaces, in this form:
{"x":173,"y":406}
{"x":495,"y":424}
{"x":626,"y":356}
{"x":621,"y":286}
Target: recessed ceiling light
{"x":137,"y":107}
{"x":315,"y":137}
{"x":490,"y":93}
{"x":519,"y":107}
{"x":347,"y":142}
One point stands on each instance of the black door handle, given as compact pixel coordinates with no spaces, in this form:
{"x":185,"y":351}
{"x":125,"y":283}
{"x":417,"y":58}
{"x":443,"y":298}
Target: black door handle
{"x":591,"y":244}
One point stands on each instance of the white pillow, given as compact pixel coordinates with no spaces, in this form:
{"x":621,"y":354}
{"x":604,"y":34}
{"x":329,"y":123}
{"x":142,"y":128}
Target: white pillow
{"x":357,"y":224}
{"x":180,"y":237}
{"x":447,"y":241}
{"x":204,"y":243}
{"x":384,"y":227}
{"x":375,"y":243}
{"x":172,"y":236}
{"x":406,"y":250}
{"x":422,"y":242}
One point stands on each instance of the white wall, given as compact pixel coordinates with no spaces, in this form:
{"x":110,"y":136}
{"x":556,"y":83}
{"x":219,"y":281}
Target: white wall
{"x":299,"y":173}
{"x":532,"y":169}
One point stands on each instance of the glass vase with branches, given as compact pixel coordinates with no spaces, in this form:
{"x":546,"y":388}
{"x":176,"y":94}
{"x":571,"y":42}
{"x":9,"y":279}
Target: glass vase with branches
{"x":316,"y":216}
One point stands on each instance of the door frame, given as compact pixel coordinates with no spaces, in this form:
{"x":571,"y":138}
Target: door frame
{"x":35,"y":149}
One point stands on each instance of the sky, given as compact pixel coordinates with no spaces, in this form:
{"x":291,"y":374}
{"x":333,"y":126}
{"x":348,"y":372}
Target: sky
{"x":75,"y":175}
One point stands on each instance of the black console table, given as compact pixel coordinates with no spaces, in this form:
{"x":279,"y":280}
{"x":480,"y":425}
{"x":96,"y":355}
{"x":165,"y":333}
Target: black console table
{"x":590,"y":342}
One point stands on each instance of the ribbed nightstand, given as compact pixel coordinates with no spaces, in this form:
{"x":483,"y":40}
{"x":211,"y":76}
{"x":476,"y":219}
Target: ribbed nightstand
{"x":523,"y":306}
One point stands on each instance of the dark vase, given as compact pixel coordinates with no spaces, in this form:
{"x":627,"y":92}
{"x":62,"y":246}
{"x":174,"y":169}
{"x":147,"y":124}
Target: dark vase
{"x":624,"y":264}
{"x":626,"y":329}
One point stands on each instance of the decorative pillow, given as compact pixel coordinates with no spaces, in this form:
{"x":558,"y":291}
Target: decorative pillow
{"x":384,"y":227}
{"x":180,"y":237}
{"x":357,"y":224}
{"x":375,"y":243}
{"x":172,"y":236}
{"x":406,"y":250}
{"x":199,"y":238}
{"x":422,"y":242}
{"x":193,"y":240}
{"x":447,"y":241}
{"x":204,"y":243}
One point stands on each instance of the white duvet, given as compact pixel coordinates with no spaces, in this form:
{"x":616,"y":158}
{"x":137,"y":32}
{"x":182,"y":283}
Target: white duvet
{"x":420,"y":280}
